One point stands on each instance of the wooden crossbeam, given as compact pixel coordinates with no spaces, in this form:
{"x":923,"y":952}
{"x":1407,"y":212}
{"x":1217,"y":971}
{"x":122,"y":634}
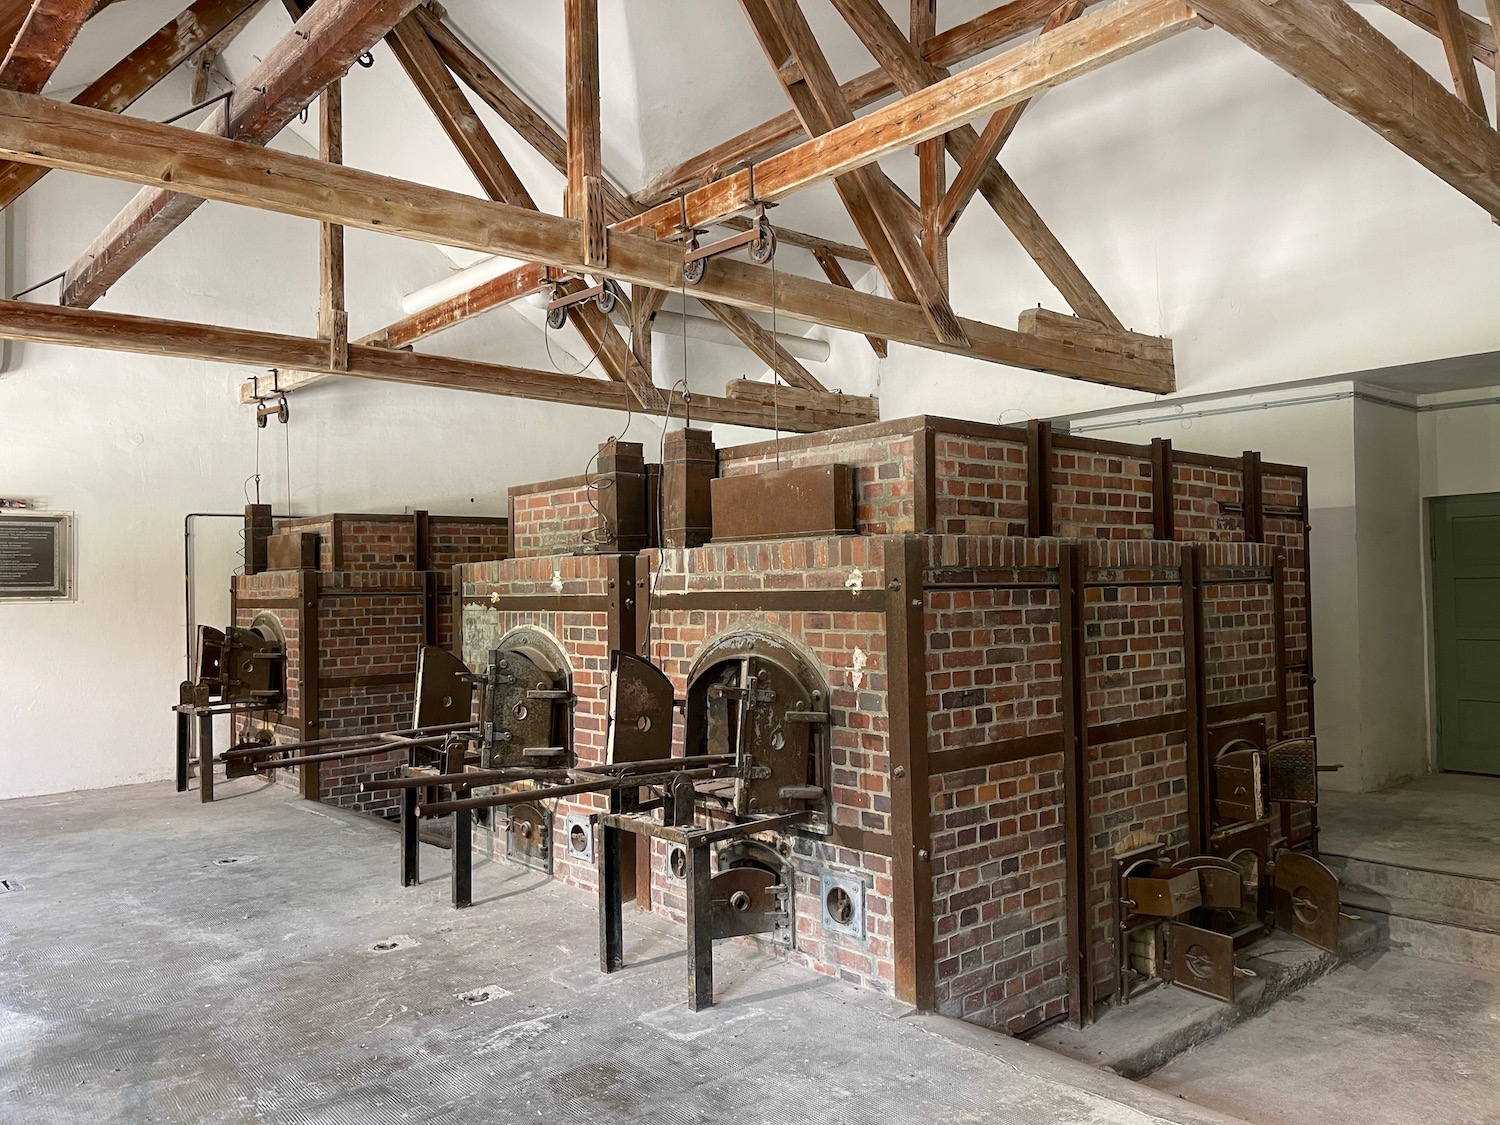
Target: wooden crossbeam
{"x":492,"y":294}
{"x":581,"y":31}
{"x":982,"y":33}
{"x":1423,"y":13}
{"x":1455,"y":39}
{"x":1121,"y":28}
{"x":119,"y":87}
{"x":201,"y":65}
{"x":320,"y":47}
{"x":1493,"y":7}
{"x":868,"y":195}
{"x":835,"y":274}
{"x":38,"y":131}
{"x":764,"y":345}
{"x":47,"y":324}
{"x":932,"y":157}
{"x":1333,"y":49}
{"x":41,"y":42}
{"x":645,"y":303}
{"x":912,"y":74}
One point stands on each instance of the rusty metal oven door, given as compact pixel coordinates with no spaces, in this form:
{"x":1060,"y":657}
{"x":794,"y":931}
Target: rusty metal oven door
{"x":777,"y":763}
{"x":445,"y":693}
{"x":640,"y":711}
{"x":1200,"y":960}
{"x":1307,"y":900}
{"x":1239,"y":794}
{"x":521,"y":703}
{"x":1292,"y":771}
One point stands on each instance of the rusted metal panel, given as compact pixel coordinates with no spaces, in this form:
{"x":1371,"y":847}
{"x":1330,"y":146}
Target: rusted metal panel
{"x":784,"y":504}
{"x":1292,"y":771}
{"x":1038,"y":478}
{"x":257,"y":534}
{"x":1165,"y":893}
{"x":1163,"y":503}
{"x":293,"y":550}
{"x":620,"y":491}
{"x":640,"y":711}
{"x":1074,"y":702}
{"x":1307,"y":900}
{"x":444,"y":694}
{"x":1200,"y":961}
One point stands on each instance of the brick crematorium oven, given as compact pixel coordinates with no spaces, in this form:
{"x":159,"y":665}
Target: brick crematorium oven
{"x":1029,"y":714}
{"x":327,"y":621}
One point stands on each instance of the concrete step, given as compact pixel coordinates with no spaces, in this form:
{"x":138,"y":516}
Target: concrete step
{"x":1471,"y":897}
{"x":1433,"y":914}
{"x":1135,"y":1039}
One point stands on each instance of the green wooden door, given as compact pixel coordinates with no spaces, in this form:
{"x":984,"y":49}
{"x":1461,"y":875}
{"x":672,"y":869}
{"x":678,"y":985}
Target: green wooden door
{"x":1466,"y":604}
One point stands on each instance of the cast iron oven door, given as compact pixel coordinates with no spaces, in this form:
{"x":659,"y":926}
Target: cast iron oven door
{"x":751,"y":894}
{"x":1239,"y":793}
{"x":1292,"y":771}
{"x":1200,"y":960}
{"x":1307,"y":900}
{"x":522,"y":703}
{"x":242,"y":665}
{"x":762,"y":711}
{"x":640,"y":711}
{"x":445,"y":691}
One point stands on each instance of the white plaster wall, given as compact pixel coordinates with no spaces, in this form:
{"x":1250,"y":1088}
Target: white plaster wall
{"x":1392,"y":648}
{"x":1460,"y":449}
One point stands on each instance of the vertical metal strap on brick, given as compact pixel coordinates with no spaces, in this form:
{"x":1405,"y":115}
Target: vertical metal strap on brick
{"x":456,"y":645}
{"x":1194,"y":673}
{"x":911,"y":802}
{"x":1255,"y":521}
{"x":310,"y":783}
{"x":1278,"y":618}
{"x":1038,"y":479}
{"x":627,"y":630}
{"x":1075,"y":785}
{"x":1163,"y":503}
{"x":924,"y":479}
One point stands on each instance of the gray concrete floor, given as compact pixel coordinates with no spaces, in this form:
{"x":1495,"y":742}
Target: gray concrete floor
{"x":253,"y":961}
{"x":1442,"y":822}
{"x":1389,"y":1040}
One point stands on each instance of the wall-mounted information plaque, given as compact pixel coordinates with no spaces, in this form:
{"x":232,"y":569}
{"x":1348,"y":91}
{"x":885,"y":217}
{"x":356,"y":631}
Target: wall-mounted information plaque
{"x":36,"y":556}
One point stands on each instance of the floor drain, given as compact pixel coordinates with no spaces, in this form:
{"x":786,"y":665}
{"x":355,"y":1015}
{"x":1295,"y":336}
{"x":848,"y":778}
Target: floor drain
{"x":231,"y":860}
{"x":483,"y":995}
{"x":9,"y":885}
{"x":385,"y":946}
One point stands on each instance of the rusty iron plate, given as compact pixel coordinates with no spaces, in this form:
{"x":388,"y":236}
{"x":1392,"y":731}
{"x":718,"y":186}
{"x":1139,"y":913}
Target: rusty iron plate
{"x":1238,"y":791}
{"x":514,"y":721}
{"x":1307,"y":900}
{"x":747,"y":900}
{"x":784,"y":503}
{"x":528,"y":837}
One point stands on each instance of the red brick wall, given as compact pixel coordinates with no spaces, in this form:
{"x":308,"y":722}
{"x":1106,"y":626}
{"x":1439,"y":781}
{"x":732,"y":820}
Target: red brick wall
{"x":1198,"y":491}
{"x":979,"y":484}
{"x":553,"y":518}
{"x":1104,"y":495}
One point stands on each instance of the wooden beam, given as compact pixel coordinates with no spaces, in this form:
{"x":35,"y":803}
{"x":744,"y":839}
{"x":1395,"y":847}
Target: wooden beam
{"x":866,"y":192}
{"x":415,"y":51}
{"x":987,"y":30}
{"x":764,"y":345}
{"x":38,"y":131}
{"x":201,"y":66}
{"x":1122,"y":28}
{"x":320,"y":48}
{"x":119,"y":87}
{"x":1455,"y":39}
{"x":581,"y":19}
{"x":1071,"y":331}
{"x":1481,"y":35}
{"x":331,"y":235}
{"x":912,"y":74}
{"x":47,"y":324}
{"x":1333,"y":49}
{"x":1493,"y":7}
{"x":835,"y":274}
{"x":40,"y":44}
{"x":645,"y":303}
{"x":932,"y":157}
{"x":492,"y":294}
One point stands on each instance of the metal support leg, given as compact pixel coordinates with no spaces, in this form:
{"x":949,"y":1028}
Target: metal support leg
{"x":463,"y":858}
{"x":411,"y":839}
{"x":205,"y":758}
{"x":611,"y":919}
{"x":184,"y":749}
{"x":700,"y":921}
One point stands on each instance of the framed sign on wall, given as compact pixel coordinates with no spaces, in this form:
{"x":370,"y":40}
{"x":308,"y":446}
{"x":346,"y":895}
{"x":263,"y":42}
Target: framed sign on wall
{"x":36,"y":556}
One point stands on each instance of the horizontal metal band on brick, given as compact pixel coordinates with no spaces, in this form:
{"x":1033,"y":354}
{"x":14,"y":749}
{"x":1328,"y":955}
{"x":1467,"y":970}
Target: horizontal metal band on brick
{"x":988,"y":578}
{"x":387,"y":679}
{"x":1229,"y":575}
{"x":858,"y":839}
{"x":995,"y":753}
{"x":1132,"y":576}
{"x":552,"y":603}
{"x":781,"y":601}
{"x":1229,"y":712}
{"x":328,"y":593}
{"x":243,"y":602}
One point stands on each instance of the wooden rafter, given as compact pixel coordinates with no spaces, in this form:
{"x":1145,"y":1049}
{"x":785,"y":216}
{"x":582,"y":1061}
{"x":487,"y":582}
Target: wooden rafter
{"x":333,"y":314}
{"x":1423,"y":13}
{"x":912,"y":74}
{"x":202,"y":64}
{"x":1332,"y":48}
{"x":1121,"y":28}
{"x":319,"y":48}
{"x":37,"y":131}
{"x":581,"y":33}
{"x":1455,"y":39}
{"x":835,"y":274}
{"x":764,"y":345}
{"x":645,"y":303}
{"x":867,"y":194}
{"x":47,"y":324}
{"x":1493,"y":7}
{"x":119,"y":87}
{"x":982,"y":33}
{"x":932,"y":159}
{"x":41,"y":42}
